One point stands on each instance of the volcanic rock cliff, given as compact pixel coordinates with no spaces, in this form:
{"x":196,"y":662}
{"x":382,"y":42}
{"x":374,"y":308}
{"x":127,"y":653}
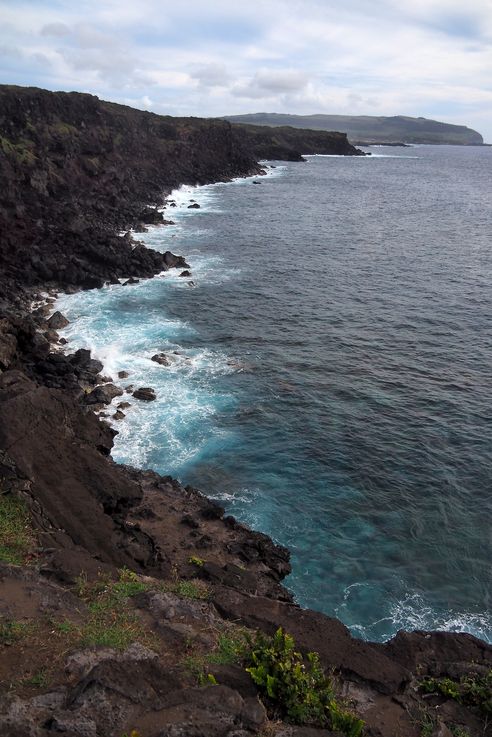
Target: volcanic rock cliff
{"x":128,"y":603}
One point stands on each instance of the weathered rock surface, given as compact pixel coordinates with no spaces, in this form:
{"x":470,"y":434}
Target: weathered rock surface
{"x":145,"y":393}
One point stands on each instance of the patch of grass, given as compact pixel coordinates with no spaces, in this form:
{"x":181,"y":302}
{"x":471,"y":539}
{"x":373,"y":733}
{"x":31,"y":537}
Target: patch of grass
{"x":63,"y":129}
{"x":427,"y":724}
{"x":11,"y":631}
{"x":194,"y":589}
{"x":16,"y":532}
{"x":297,"y":688}
{"x":21,"y":151}
{"x":37,"y":680}
{"x":231,"y":648}
{"x":111,"y":621}
{"x":65,"y":628}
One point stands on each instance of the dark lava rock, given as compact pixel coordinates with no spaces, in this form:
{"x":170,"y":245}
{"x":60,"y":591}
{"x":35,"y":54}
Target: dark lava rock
{"x":103,"y":394}
{"x":131,"y":280}
{"x":161,"y":359}
{"x":8,"y":344}
{"x":118,"y":415}
{"x":124,"y":405}
{"x":185,"y":273}
{"x":146,"y":393}
{"x":74,"y":486}
{"x":172,"y":261}
{"x":52,"y":336}
{"x":123,"y":374}
{"x":57,"y":321}
{"x":194,"y":206}
{"x":150,"y":216}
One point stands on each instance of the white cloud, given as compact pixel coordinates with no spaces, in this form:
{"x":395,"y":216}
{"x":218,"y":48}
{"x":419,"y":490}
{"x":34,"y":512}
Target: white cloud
{"x":428,"y":57}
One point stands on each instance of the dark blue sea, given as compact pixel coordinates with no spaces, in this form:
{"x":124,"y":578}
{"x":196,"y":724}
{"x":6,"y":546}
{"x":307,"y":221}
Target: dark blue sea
{"x":330,"y":377}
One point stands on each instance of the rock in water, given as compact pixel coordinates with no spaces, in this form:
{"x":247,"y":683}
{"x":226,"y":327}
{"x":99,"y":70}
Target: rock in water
{"x":173,"y":261}
{"x":104,"y":394}
{"x":57,"y":321}
{"x":161,"y":359}
{"x":146,"y":393}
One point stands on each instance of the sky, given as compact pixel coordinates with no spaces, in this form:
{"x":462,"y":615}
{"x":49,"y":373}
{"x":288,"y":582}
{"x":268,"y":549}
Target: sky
{"x":430,"y":58}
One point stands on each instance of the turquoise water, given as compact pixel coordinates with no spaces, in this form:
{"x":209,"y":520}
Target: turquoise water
{"x":332,"y":379}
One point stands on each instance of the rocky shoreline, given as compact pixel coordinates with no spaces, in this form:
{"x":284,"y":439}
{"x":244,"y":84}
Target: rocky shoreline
{"x":120,"y":612}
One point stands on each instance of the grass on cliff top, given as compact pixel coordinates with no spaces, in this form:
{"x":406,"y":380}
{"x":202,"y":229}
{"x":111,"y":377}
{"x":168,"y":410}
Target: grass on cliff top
{"x":16,"y":532}
{"x":112,"y":622}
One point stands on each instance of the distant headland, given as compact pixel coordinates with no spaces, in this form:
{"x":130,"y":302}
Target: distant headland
{"x":370,"y":129}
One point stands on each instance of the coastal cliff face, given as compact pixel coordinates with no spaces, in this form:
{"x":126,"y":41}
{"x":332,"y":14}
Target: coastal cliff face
{"x":75,"y":170}
{"x":123,"y":594}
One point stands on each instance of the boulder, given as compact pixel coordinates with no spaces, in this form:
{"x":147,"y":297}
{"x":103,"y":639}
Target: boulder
{"x":194,"y":206}
{"x":103,"y":394}
{"x":145,"y":393}
{"x":57,"y":321}
{"x":51,"y":336}
{"x":172,"y":261}
{"x":185,"y":273}
{"x":123,"y":374}
{"x":161,"y":359}
{"x":118,"y":415}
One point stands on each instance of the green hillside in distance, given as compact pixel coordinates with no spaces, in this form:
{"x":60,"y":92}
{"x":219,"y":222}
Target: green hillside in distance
{"x":362,"y":129}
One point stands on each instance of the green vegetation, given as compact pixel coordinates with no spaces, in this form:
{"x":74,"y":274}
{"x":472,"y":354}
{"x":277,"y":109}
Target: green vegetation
{"x":21,"y":151}
{"x":11,"y":631}
{"x":427,"y":723}
{"x":196,"y":561}
{"x":111,"y":622}
{"x":188,"y":589}
{"x":231,"y":649}
{"x":63,"y":129}
{"x":472,"y":690}
{"x":16,"y":532}
{"x":458,"y":731}
{"x":38,"y":680}
{"x":297,"y":689}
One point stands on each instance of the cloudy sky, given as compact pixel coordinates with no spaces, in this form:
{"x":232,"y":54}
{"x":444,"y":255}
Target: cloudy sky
{"x":215,"y":57}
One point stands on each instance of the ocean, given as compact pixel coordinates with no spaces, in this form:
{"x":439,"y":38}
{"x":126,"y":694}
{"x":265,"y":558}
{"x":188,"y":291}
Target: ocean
{"x":330,"y":374}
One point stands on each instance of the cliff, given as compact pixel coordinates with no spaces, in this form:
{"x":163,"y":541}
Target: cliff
{"x":372,"y":129}
{"x":127,"y":601}
{"x":75,"y":170}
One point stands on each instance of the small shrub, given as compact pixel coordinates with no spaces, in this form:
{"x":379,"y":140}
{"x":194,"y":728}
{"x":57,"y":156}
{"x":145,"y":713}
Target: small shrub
{"x":472,"y":690}
{"x":196,"y":561}
{"x":299,"y":690}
